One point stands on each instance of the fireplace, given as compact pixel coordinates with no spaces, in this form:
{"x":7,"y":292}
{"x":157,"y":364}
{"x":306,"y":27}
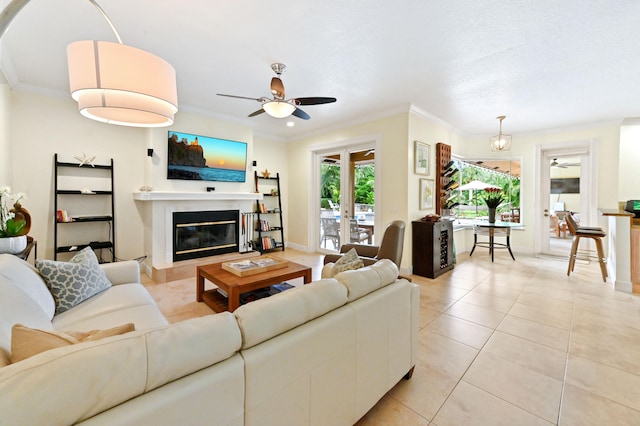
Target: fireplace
{"x":205,"y":233}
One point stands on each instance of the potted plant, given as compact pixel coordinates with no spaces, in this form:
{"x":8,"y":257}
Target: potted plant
{"x":493,"y":197}
{"x":13,"y":222}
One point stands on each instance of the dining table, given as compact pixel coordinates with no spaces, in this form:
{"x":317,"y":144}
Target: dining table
{"x":492,"y":230}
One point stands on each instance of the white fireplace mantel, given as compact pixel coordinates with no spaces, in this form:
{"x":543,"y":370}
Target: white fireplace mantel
{"x":157,"y":209}
{"x":195,"y":196}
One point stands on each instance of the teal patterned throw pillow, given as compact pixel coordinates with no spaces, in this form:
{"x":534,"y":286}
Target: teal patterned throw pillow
{"x":350,"y":260}
{"x":75,"y":281}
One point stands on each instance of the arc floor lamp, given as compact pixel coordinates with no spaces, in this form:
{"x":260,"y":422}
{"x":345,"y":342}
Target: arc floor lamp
{"x":115,"y":83}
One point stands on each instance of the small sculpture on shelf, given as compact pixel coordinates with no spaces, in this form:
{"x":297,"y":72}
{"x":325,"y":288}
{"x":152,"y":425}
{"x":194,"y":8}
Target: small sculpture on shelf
{"x":266,"y":173}
{"x":85,"y":160}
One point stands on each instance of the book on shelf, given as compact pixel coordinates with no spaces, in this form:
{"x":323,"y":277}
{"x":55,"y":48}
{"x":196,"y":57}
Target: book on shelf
{"x":263,"y":208}
{"x":62,"y":216}
{"x":268,"y":243}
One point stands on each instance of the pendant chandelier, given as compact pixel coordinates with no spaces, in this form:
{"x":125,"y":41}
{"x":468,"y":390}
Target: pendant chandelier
{"x":500,"y":142}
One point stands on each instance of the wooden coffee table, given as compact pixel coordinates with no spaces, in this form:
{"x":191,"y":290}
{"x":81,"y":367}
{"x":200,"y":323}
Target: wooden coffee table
{"x":234,"y":285}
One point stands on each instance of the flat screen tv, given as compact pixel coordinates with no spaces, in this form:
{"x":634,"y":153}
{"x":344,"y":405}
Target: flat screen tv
{"x":196,"y":157}
{"x":565,"y":186}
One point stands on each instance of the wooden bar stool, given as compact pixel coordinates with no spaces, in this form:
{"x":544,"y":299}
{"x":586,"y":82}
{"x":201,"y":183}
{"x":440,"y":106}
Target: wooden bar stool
{"x":596,"y":234}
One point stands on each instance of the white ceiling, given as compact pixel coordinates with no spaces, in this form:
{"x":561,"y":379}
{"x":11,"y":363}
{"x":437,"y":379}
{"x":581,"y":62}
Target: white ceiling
{"x":544,"y":64}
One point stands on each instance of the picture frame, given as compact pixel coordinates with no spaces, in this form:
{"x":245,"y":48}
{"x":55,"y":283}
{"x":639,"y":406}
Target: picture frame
{"x":426,"y":194}
{"x":422,"y":158}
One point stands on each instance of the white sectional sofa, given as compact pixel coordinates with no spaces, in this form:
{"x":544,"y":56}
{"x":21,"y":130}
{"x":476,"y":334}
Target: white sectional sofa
{"x":323,"y":353}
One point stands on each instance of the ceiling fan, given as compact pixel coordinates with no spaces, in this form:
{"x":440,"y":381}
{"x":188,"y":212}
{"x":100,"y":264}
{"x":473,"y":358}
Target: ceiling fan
{"x":278,"y":106}
{"x":555,"y":163}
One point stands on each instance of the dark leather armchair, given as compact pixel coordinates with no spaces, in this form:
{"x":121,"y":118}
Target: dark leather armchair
{"x":390,"y":248}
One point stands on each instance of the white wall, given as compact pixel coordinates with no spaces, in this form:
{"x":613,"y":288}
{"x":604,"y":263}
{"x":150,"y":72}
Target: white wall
{"x":524,"y":146}
{"x":273,"y":155}
{"x":398,"y":195}
{"x":628,"y":173}
{"x":392,"y":201}
{"x":6,"y":165}
{"x":42,"y":126}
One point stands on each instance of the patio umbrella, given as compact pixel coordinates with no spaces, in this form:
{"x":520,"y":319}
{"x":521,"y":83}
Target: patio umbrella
{"x":476,"y":185}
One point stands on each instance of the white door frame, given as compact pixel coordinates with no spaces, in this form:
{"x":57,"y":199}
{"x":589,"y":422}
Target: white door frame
{"x":587,"y":151}
{"x":316,"y":152}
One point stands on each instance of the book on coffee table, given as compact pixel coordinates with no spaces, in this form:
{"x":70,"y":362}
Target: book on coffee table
{"x":253,"y":266}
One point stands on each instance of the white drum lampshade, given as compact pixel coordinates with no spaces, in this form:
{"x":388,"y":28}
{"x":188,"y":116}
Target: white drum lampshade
{"x":119,"y":84}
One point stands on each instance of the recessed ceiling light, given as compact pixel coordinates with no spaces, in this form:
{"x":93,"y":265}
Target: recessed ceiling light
{"x":290,"y":124}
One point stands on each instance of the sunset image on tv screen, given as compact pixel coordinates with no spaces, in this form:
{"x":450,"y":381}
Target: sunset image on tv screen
{"x":196,"y":157}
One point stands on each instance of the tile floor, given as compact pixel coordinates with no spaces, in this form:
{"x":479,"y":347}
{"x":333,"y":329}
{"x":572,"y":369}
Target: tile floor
{"x":508,"y":343}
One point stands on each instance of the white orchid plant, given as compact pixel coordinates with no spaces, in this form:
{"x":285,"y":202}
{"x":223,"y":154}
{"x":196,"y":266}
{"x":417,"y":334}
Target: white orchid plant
{"x":10,"y":226}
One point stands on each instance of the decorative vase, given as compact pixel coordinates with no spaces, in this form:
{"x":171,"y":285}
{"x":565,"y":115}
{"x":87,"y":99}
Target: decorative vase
{"x":13,"y":245}
{"x":492,"y":214}
{"x":22,"y":213}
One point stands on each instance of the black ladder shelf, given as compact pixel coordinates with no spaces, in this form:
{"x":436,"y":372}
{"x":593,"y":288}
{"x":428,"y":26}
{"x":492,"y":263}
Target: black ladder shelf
{"x":67,"y":228}
{"x":269,"y":225}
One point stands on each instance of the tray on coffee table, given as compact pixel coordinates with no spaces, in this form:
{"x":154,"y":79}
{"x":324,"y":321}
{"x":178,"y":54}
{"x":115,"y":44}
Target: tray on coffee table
{"x":254,"y":266}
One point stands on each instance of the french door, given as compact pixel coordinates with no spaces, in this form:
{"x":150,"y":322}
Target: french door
{"x":344,"y":199}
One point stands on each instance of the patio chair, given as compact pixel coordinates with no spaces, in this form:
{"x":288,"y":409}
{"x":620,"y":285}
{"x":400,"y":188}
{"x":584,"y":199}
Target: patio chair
{"x":357,"y":234}
{"x":330,"y":231}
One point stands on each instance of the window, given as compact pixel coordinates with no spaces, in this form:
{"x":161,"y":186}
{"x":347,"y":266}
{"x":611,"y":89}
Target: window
{"x":474,"y":176}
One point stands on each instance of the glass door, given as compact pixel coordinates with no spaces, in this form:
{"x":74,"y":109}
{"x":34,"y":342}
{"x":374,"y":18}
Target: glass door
{"x":564,"y":198}
{"x":345,"y":197}
{"x":330,"y":169}
{"x":566,"y":185}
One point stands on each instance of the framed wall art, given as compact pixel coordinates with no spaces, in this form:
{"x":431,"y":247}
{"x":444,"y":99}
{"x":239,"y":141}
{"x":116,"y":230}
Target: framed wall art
{"x":422,"y":158}
{"x":426,"y":194}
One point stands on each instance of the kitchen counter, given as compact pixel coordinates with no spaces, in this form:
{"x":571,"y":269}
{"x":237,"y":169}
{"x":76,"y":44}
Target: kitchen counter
{"x":623,"y":262}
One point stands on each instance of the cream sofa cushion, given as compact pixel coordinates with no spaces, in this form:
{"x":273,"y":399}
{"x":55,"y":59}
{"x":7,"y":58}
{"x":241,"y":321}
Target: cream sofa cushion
{"x":27,"y":278}
{"x":266,"y":318}
{"x":119,"y":304}
{"x":363,"y":281}
{"x":16,"y":306}
{"x":171,"y":348}
{"x":113,"y":370}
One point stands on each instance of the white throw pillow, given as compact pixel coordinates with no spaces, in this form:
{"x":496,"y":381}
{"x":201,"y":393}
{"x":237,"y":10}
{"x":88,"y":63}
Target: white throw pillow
{"x":75,"y":281}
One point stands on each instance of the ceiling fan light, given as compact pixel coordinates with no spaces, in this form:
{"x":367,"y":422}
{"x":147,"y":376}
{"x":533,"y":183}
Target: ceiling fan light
{"x":278,"y":109}
{"x":118,"y":84}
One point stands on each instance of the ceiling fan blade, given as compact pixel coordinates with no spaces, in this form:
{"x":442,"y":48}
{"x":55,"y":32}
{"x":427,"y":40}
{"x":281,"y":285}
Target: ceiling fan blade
{"x":277,"y":88}
{"x":258,"y":112}
{"x":314,"y":100}
{"x":240,"y":97}
{"x":301,"y":114}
